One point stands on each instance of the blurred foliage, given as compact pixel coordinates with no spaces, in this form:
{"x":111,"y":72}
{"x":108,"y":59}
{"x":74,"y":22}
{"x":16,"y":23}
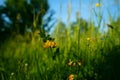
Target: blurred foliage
{"x":23,"y":16}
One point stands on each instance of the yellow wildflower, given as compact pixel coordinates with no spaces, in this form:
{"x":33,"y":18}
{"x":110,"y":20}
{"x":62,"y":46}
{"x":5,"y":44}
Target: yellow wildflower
{"x":97,"y":5}
{"x":71,"y":77}
{"x":79,"y":63}
{"x":53,"y":45}
{"x":49,"y":44}
{"x":88,"y":39}
{"x":70,"y":63}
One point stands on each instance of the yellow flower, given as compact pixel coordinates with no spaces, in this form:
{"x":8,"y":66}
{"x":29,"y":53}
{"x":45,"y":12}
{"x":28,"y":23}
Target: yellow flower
{"x":70,"y":63}
{"x":53,"y":44}
{"x":71,"y":77}
{"x":88,"y":39}
{"x":97,"y":5}
{"x":79,"y":63}
{"x":49,"y":44}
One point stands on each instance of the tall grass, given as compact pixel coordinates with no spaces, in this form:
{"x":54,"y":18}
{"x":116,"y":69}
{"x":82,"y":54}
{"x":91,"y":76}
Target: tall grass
{"x":86,"y":55}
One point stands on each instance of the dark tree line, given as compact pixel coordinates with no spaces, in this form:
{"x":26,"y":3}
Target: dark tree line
{"x":16,"y":16}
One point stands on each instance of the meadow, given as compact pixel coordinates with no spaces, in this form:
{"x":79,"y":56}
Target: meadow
{"x":78,"y":51}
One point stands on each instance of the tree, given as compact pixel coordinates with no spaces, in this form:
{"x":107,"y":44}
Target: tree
{"x":19,"y":15}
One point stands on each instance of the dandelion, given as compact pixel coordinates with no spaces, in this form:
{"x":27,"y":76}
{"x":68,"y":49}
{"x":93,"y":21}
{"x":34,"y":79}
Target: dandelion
{"x":71,"y":77}
{"x":97,"y":5}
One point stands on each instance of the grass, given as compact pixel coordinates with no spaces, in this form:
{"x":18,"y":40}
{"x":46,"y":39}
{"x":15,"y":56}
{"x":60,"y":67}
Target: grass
{"x":29,"y":60}
{"x":84,"y":55}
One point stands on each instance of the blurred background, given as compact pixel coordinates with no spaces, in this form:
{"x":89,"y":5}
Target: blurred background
{"x":22,"y":13}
